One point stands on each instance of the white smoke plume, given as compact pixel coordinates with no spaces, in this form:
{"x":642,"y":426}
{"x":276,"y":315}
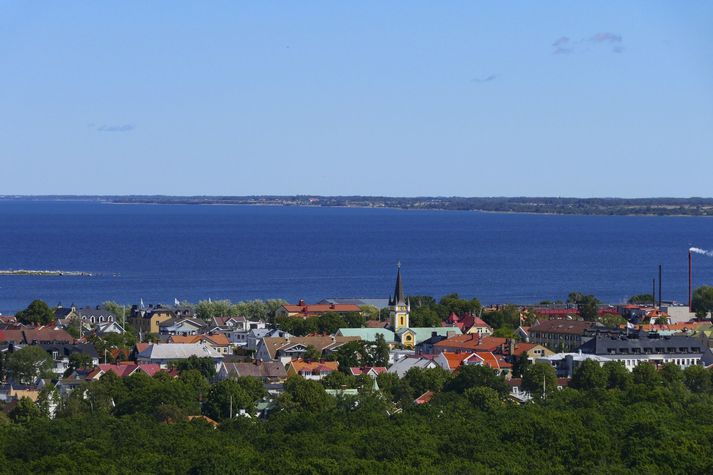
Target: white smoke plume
{"x":703,"y":252}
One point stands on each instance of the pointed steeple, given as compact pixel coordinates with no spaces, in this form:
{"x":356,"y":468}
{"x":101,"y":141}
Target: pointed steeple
{"x":398,"y":297}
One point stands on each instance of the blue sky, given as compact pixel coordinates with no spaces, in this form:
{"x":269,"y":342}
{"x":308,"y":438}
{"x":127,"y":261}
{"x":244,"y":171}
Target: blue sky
{"x":391,"y":98}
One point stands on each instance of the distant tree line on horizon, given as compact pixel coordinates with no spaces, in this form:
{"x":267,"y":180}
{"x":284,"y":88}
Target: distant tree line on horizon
{"x":694,"y":206}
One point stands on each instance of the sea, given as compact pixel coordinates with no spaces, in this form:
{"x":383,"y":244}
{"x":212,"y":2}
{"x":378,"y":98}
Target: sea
{"x":160,"y":253}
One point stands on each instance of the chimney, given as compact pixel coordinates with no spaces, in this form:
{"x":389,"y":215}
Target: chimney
{"x":512,"y":346}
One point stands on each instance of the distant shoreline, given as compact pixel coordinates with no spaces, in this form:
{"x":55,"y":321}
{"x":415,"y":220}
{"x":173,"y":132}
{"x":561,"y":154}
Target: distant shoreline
{"x":674,"y":207}
{"x":59,"y":273}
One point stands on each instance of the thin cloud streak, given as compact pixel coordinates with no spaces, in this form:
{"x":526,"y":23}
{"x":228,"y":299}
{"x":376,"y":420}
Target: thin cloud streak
{"x":113,"y":127}
{"x":565,"y":45}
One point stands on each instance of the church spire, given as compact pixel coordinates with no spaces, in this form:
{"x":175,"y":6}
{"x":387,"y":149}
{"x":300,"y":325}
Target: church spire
{"x":398,"y":297}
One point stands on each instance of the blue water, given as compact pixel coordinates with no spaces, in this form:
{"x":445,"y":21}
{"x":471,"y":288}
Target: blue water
{"x":161,"y":252}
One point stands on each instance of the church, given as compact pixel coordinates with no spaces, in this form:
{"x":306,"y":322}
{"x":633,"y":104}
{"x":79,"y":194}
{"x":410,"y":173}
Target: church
{"x":399,"y":331}
{"x":399,"y":313}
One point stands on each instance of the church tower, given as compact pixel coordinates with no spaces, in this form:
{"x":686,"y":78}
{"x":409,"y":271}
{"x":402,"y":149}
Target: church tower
{"x":399,"y":307}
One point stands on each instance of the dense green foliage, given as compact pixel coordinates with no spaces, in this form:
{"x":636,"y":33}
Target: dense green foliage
{"x":702,"y":301}
{"x":617,"y":422}
{"x":326,"y":324}
{"x":645,"y":299}
{"x":588,"y":305}
{"x":27,"y":364}
{"x":37,"y":313}
{"x":250,"y":309}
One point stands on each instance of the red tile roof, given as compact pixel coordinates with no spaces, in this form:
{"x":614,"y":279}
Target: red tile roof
{"x":366,"y":369}
{"x":425,"y":398}
{"x":319,"y":309}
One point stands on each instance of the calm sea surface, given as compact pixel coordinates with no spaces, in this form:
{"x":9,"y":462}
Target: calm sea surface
{"x":161,"y":252}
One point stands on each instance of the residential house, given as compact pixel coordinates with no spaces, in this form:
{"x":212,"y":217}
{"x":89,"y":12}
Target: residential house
{"x":313,"y":370}
{"x":469,"y":343}
{"x":182,"y":327}
{"x":469,"y":323}
{"x":303,"y":310}
{"x":402,"y":366}
{"x":371,"y":371}
{"x":95,"y":315}
{"x":235,"y":328}
{"x":368,"y":334}
{"x":560,"y":335}
{"x":109,"y":327}
{"x":217,"y":342}
{"x":254,"y":336}
{"x":271,"y":348}
{"x":452,"y":361}
{"x":165,"y":354}
{"x":34,"y":336}
{"x":269,"y":372}
{"x":61,"y":352}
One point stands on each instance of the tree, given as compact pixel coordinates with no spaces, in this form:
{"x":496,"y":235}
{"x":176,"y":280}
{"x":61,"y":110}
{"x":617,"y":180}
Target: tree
{"x":305,"y":395}
{"x":425,"y":379}
{"x":470,"y":376}
{"x":330,"y":323}
{"x":232,"y":395}
{"x":539,"y":379}
{"x":484,"y":398}
{"x":380,"y":355}
{"x":612,"y":320}
{"x":519,"y":365}
{"x":618,"y":377}
{"x":697,"y":379}
{"x":425,"y":317}
{"x":646,"y":374}
{"x":338,"y":380}
{"x":37,"y":313}
{"x":507,"y":316}
{"x":641,"y":299}
{"x":671,"y":374}
{"x":25,"y":411}
{"x":30,"y":363}
{"x":588,"y":305}
{"x":118,"y":310}
{"x":78,"y":360}
{"x":702,"y":302}
{"x":311,"y":354}
{"x":197,"y":383}
{"x":205,"y":365}
{"x":588,"y":376}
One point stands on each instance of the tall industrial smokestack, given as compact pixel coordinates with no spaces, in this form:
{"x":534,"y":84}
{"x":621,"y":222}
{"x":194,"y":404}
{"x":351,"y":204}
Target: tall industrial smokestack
{"x":653,"y":292}
{"x":660,"y":275}
{"x":690,"y":281}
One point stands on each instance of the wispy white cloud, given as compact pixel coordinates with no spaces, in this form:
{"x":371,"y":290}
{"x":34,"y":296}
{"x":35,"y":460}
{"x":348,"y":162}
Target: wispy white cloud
{"x":483,"y":79}
{"x":565,"y":45}
{"x":112,"y":127}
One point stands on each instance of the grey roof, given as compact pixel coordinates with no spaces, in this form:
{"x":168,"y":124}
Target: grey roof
{"x":94,"y":312}
{"x":66,"y":350}
{"x":180,"y":321}
{"x":175,"y":351}
{"x":401,"y":367}
{"x":267,"y":369}
{"x":641,"y":343}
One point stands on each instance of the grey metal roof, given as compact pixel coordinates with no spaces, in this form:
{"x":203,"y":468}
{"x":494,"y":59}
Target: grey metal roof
{"x":642,"y":343}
